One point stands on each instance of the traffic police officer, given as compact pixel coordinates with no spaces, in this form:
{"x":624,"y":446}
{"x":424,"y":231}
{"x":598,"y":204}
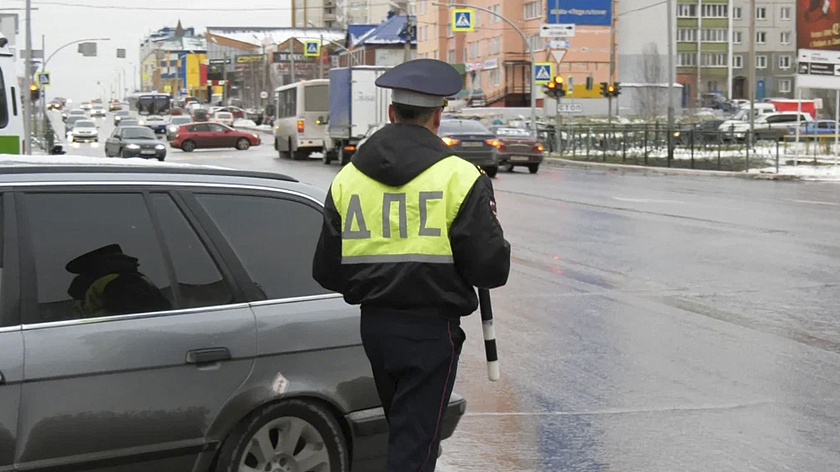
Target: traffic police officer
{"x":409,"y":230}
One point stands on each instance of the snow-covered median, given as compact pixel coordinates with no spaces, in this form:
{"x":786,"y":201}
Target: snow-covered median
{"x":805,"y":172}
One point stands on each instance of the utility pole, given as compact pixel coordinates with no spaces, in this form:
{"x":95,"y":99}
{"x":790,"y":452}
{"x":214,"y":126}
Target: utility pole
{"x":407,"y":55}
{"x":670,"y":80}
{"x":751,"y":68}
{"x":612,"y":58}
{"x":321,"y":58}
{"x":27,"y":105}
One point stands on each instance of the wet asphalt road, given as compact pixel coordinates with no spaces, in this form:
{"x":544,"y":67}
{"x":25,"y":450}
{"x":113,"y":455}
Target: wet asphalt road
{"x":651,"y":323}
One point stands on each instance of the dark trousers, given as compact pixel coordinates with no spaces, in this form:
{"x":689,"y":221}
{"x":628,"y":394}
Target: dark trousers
{"x":414,"y":362}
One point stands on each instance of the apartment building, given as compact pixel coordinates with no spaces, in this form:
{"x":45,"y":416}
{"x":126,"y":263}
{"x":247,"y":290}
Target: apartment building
{"x":493,"y":58}
{"x":340,"y":13}
{"x":704,"y":54}
{"x":775,"y":48}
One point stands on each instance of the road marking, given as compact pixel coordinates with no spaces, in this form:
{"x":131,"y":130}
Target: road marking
{"x":813,"y":202}
{"x":644,"y":200}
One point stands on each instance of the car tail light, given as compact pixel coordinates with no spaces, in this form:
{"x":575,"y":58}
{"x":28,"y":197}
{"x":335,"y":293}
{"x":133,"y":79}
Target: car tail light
{"x":300,"y":126}
{"x":501,"y":147}
{"x":349,"y":148}
{"x":493,"y":142}
{"x":539,"y":147}
{"x":450,"y":141}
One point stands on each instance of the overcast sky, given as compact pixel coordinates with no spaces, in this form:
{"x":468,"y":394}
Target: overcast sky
{"x":126,"y":22}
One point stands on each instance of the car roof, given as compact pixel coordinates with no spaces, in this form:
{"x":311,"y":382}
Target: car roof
{"x":81,"y":169}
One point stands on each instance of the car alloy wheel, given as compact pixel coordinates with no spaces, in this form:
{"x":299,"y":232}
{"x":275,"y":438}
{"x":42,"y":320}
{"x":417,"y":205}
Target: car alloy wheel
{"x":243,"y":144}
{"x":188,"y":146}
{"x":292,"y":436}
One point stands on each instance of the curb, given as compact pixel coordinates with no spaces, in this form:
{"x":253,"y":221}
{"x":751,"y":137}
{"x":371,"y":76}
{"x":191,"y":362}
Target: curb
{"x":560,"y":162}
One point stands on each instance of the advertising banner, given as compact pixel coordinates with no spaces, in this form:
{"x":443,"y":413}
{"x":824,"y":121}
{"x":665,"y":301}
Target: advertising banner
{"x":818,"y":24}
{"x":582,"y":12}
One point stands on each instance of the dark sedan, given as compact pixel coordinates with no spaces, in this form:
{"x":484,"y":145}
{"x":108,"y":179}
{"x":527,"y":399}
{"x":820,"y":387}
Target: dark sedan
{"x":472,"y":141}
{"x":704,"y":132}
{"x":518,"y":147}
{"x":134,"y":141}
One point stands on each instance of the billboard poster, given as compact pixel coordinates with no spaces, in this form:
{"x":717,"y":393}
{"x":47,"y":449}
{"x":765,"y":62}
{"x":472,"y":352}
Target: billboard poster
{"x":818,"y":24}
{"x":582,"y":12}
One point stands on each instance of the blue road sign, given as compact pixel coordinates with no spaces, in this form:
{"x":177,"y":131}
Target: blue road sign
{"x":43,"y":79}
{"x":543,"y":72}
{"x":579,"y":12}
{"x":311,"y":48}
{"x":463,"y":19}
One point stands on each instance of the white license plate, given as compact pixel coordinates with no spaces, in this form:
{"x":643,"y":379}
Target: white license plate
{"x":147,"y":152}
{"x":519,"y":158}
{"x":472,"y":144}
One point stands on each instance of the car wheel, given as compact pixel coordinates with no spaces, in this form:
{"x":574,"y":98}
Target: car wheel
{"x":533,"y":168}
{"x":188,"y":146}
{"x":161,"y":159}
{"x":276,"y":146}
{"x":243,"y":144}
{"x":491,"y":171}
{"x":292,"y":435}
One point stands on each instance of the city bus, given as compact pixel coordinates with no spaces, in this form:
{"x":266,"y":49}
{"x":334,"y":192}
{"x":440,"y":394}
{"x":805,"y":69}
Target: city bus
{"x":149,"y":103}
{"x":302,"y":112}
{"x":11,"y":113}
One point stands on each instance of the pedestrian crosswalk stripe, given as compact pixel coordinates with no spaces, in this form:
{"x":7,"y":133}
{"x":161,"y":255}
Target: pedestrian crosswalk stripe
{"x":463,"y":21}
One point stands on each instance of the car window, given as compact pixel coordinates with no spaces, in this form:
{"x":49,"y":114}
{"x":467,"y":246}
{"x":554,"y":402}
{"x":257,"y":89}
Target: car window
{"x":274,"y":238}
{"x":117,"y":133}
{"x":200,"y":128}
{"x":95,"y":254}
{"x":462,"y":126}
{"x":198,"y":278}
{"x":216,"y":128}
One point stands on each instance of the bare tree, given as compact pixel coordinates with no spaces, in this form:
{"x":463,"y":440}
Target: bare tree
{"x":652,"y":95}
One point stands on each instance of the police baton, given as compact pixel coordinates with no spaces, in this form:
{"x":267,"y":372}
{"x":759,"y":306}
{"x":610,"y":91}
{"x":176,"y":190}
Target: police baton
{"x":489,"y":334}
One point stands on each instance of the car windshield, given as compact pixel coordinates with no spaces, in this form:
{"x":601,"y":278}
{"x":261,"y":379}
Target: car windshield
{"x":741,"y":115}
{"x":77,"y":112}
{"x":154,"y":118}
{"x":462,"y":126}
{"x":85,"y":124}
{"x":123,"y":113}
{"x":512,"y":132}
{"x":138,"y":133}
{"x":179,"y":120}
{"x":129,"y":122}
{"x":224,"y":115}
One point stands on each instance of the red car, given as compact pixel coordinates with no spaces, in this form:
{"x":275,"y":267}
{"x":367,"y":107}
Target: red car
{"x":237,"y":112}
{"x":517,"y":147}
{"x":212,"y":135}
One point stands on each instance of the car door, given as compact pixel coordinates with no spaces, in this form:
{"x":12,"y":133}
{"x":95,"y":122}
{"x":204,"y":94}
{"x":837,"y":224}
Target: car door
{"x":222,"y":136}
{"x":131,"y":368}
{"x":112,"y":144}
{"x":295,"y":314}
{"x":201,"y":135}
{"x":11,"y":337}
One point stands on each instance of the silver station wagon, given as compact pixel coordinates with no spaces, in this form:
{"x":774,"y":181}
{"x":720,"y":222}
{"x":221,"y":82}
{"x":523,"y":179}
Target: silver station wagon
{"x":164,"y":318}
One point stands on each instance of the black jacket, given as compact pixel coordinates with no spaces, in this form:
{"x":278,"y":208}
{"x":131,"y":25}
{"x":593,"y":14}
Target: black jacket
{"x":394,"y":156}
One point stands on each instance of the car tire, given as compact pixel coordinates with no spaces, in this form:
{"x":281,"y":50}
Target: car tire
{"x":188,"y":146}
{"x":491,"y":171}
{"x":533,"y":168}
{"x":243,"y":144}
{"x":319,"y":438}
{"x":329,"y":156}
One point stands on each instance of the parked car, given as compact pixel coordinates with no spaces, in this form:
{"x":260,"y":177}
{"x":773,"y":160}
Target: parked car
{"x":224,"y":117}
{"x":703,"y":132}
{"x":471,"y":140}
{"x":134,"y":141}
{"x":171,"y":323}
{"x":83,"y":131}
{"x":814,"y":128}
{"x":156,"y":123}
{"x":175,"y":124}
{"x":212,"y":135}
{"x":121,"y":115}
{"x":518,"y":147}
{"x":770,"y":126}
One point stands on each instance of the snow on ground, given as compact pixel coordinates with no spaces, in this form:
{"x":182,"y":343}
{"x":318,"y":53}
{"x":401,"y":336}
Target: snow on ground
{"x":242,"y":123}
{"x":805,"y":172}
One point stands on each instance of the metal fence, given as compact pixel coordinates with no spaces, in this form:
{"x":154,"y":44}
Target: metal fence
{"x":707,"y":149}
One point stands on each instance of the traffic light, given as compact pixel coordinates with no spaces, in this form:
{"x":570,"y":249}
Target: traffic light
{"x":558,"y":86}
{"x":34,"y":93}
{"x":604,"y":89}
{"x":550,"y":89}
{"x":616,"y":89}
{"x":610,"y":90}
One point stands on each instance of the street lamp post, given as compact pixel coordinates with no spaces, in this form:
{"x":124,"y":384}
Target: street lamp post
{"x":407,"y":55}
{"x":321,"y":51}
{"x":527,"y":46}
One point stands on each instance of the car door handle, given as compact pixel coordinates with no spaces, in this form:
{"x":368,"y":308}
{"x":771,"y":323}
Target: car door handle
{"x":207,"y":356}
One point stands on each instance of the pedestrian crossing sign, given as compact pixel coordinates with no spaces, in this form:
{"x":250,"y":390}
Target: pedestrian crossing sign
{"x":311,"y":48}
{"x":44,"y":79}
{"x":543,"y":72}
{"x":463,"y":20}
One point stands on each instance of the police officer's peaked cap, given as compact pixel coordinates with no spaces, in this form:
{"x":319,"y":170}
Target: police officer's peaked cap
{"x":421,"y":82}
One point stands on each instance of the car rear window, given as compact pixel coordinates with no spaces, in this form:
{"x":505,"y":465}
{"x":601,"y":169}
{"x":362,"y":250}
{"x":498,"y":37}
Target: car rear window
{"x":316,"y":98}
{"x":462,"y":126}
